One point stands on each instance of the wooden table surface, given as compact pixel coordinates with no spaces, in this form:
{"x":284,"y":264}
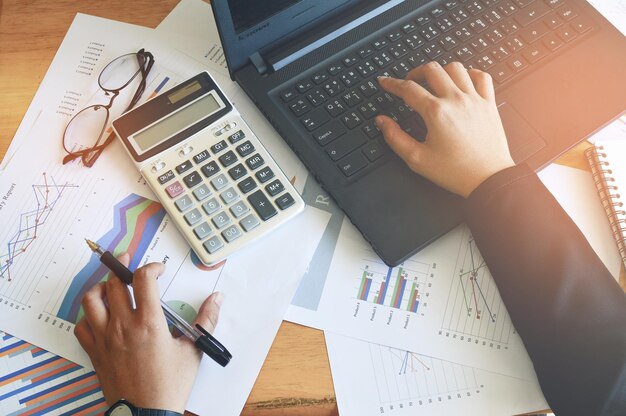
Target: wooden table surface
{"x":295,"y":379}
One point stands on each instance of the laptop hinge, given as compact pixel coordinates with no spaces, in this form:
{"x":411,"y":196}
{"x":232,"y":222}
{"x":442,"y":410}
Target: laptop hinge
{"x":258,"y":61}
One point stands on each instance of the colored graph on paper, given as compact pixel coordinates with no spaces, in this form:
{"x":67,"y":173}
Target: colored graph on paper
{"x":47,"y":195}
{"x":36,"y":382}
{"x":400,"y":288}
{"x":136,"y":221}
{"x":474,"y":309}
{"x":407,"y":379}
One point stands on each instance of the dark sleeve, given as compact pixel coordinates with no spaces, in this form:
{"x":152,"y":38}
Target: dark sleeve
{"x":567,"y":308}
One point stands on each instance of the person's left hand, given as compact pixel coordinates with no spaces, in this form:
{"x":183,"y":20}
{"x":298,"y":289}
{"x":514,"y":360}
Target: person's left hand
{"x":132,"y":350}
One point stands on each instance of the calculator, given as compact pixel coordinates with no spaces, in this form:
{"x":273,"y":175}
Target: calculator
{"x":210,"y":172}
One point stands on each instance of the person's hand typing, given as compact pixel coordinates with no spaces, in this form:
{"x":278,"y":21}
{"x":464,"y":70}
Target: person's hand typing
{"x":132,"y":350}
{"x":465,"y":143}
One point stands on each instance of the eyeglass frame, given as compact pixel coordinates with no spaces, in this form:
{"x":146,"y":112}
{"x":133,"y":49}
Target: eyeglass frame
{"x":91,"y":154}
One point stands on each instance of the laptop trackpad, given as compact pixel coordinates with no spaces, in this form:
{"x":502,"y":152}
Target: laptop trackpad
{"x":524,"y":141}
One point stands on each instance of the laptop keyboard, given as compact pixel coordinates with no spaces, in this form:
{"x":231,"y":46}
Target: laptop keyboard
{"x":502,"y":37}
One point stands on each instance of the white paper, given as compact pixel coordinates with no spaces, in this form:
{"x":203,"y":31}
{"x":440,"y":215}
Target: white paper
{"x":372,"y":379}
{"x":72,"y":78}
{"x":614,"y":11}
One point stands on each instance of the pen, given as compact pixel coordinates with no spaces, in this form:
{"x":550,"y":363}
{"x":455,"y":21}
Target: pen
{"x":204,"y":341}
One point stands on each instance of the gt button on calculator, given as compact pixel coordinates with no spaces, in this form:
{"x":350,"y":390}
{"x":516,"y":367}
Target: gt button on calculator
{"x":213,"y":176}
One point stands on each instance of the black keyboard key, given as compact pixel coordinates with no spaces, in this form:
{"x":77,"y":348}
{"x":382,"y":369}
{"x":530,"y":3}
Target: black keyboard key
{"x":247,"y":185}
{"x":448,"y":42}
{"x":289,"y":95}
{"x":265,"y":174}
{"x":329,"y":132}
{"x":566,"y":33}
{"x":514,"y":44}
{"x":366,"y":69}
{"x":333,"y":87}
{"x":478,"y":25}
{"x":580,"y":25}
{"x":401,"y":69}
{"x":409,"y":27}
{"x":351,"y":119}
{"x":166,"y":177}
{"x":317,"y":97}
{"x":368,"y":110}
{"x":262,"y":205}
{"x":373,"y":151}
{"x":450,"y":4}
{"x":475,"y":7}
{"x":446,"y":59}
{"x":479,"y":44}
{"x":350,"y":60}
{"x":414,"y":41}
{"x":382,"y":59}
{"x":237,"y":172}
{"x":183,"y":167}
{"x":464,"y":54}
{"x":567,"y":13}
{"x":394,"y":36}
{"x":462,"y":33}
{"x":349,"y":78}
{"x":379,"y":44}
{"x":285,"y":201}
{"x":299,"y":107}
{"x":552,"y":42}
{"x":245,"y":149}
{"x":315,"y":119}
{"x":429,"y":32}
{"x":416,"y":59}
{"x":384,"y":101}
{"x":365,"y":52}
{"x":192,"y":179}
{"x":422,"y":20}
{"x":345,"y":144}
{"x":444,"y":24}
{"x":535,"y":53}
{"x":517,"y":64}
{"x":433,"y":50}
{"x":499,"y":53}
{"x":552,"y":21}
{"x":210,"y":169}
{"x":398,"y":50}
{"x":335,"y":108}
{"x":438,"y":11}
{"x":319,"y":78}
{"x":534,"y":32}
{"x":369,"y":88}
{"x":255,"y":162}
{"x":509,"y":27}
{"x":228,"y":158}
{"x":352,"y":98}
{"x":274,"y":188}
{"x":335,"y":69}
{"x":459,"y":16}
{"x":507,"y":8}
{"x":371,"y":130}
{"x":554,"y":3}
{"x":493,"y":17}
{"x":494,"y":35}
{"x":304,"y":86}
{"x":352,"y":164}
{"x":501,"y":73}
{"x":528,"y":15}
{"x":484,"y":62}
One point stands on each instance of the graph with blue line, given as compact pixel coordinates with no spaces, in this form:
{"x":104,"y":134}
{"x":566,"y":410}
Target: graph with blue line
{"x":47,"y":195}
{"x":36,"y":382}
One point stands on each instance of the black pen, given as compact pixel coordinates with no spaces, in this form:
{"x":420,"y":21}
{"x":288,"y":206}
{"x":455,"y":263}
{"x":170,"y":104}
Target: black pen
{"x":204,"y":341}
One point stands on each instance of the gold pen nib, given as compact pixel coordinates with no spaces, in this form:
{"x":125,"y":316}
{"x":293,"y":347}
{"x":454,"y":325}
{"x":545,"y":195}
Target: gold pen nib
{"x":93,"y":246}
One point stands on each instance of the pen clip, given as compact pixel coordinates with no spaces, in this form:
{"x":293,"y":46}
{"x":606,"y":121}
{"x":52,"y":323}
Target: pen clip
{"x":212,"y":347}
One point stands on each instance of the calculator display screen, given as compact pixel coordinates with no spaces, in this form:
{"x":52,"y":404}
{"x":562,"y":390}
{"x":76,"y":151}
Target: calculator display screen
{"x":167,"y":127}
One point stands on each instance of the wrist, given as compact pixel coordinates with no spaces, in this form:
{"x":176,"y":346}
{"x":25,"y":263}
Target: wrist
{"x":125,"y":408}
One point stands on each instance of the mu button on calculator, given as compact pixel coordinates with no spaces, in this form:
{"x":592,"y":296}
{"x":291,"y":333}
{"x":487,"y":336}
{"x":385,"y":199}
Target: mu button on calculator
{"x":213,"y":176}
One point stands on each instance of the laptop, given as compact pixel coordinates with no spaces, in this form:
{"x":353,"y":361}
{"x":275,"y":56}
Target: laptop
{"x":311,"y":65}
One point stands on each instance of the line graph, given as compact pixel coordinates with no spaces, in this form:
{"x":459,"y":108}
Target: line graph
{"x":47,"y":194}
{"x":474,"y":311}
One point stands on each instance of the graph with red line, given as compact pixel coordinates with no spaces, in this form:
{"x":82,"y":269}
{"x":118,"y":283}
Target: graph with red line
{"x":474,"y":311}
{"x":47,"y":195}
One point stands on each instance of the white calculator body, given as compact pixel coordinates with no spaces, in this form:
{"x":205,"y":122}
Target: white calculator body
{"x":211,"y":173}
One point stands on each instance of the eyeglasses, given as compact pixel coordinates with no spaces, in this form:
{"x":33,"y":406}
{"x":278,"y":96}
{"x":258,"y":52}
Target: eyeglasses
{"x":83,"y":135}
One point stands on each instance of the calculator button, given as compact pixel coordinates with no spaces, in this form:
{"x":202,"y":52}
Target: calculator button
{"x":183,"y":203}
{"x":201,"y":192}
{"x":249,"y":223}
{"x":235,"y":137}
{"x":237,"y":172}
{"x":229,"y":195}
{"x":210,"y":169}
{"x":201,"y":157}
{"x":265,"y":174}
{"x":218,"y":147}
{"x":213,"y":244}
{"x":239,"y":209}
{"x":211,"y":206}
{"x":202,"y":230}
{"x":219,"y":182}
{"x":193,"y":216}
{"x":166,"y":177}
{"x":245,"y":149}
{"x":228,"y":158}
{"x":185,"y":150}
{"x":221,"y":220}
{"x":174,"y":189}
{"x":192,"y":179}
{"x":275,"y":188}
{"x":183,"y":167}
{"x":255,"y":161}
{"x":262,"y":205}
{"x":231,"y":233}
{"x":247,"y":185}
{"x":157,"y":166}
{"x":285,"y":201}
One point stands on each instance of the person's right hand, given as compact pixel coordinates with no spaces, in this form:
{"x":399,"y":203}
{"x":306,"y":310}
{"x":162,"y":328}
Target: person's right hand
{"x":465,"y":143}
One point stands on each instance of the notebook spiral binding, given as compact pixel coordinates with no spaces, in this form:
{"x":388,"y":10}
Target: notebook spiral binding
{"x":610,"y":196}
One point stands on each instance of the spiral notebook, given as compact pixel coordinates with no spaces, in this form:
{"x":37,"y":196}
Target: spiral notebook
{"x":607,"y":159}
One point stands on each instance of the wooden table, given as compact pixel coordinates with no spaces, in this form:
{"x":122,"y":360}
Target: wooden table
{"x":295,"y":378}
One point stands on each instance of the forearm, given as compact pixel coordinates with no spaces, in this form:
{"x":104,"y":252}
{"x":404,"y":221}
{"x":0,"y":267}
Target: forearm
{"x":567,"y":308}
